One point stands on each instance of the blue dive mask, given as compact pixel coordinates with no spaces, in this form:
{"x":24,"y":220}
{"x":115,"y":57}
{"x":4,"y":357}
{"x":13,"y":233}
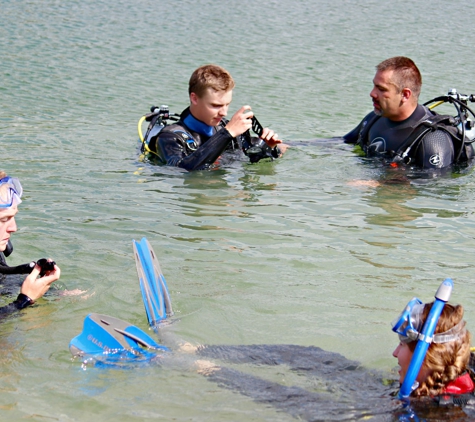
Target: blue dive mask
{"x":10,"y":192}
{"x":409,"y":324}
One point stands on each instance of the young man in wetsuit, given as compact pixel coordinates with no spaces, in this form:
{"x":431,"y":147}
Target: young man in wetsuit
{"x":396,"y":114}
{"x":33,"y":287}
{"x":202,"y":134}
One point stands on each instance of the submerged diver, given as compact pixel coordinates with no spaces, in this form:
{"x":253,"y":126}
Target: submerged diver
{"x":442,"y":373}
{"x":397,"y":129}
{"x":434,"y":350}
{"x":33,"y":287}
{"x":202,"y":134}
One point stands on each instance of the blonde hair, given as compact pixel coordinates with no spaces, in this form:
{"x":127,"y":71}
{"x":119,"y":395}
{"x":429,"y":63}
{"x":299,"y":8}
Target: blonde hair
{"x":444,"y":362}
{"x":3,"y":188}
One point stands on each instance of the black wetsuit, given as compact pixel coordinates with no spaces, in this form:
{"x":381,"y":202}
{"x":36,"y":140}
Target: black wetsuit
{"x":22,"y":301}
{"x":387,"y":139}
{"x":338,"y":383}
{"x":340,"y":389}
{"x":198,"y":147}
{"x":11,"y":279}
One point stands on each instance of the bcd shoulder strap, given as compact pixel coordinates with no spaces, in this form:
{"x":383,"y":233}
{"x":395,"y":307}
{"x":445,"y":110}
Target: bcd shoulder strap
{"x":431,"y":123}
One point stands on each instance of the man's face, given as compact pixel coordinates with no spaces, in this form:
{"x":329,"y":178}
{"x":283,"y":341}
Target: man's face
{"x":7,"y":225}
{"x":211,"y":107}
{"x":386,"y":98}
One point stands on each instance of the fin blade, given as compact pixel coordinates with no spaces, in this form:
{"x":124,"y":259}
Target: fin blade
{"x":105,"y":334}
{"x":97,"y":337}
{"x":158,"y":275}
{"x":150,"y":284}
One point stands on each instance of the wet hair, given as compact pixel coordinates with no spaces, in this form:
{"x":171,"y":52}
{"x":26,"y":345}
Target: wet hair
{"x":210,"y":76}
{"x":406,"y":74}
{"x":444,"y":361}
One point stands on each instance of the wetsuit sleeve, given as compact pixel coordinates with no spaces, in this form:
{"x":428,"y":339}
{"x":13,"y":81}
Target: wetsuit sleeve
{"x":8,"y":309}
{"x":436,"y":151}
{"x":21,"y":302}
{"x":328,"y":397}
{"x":302,"y":358}
{"x":173,"y":151}
{"x":296,"y":401}
{"x":352,"y":136}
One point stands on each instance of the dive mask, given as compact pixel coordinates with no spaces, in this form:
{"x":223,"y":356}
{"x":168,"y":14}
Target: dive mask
{"x":409,"y":325}
{"x":10,"y":192}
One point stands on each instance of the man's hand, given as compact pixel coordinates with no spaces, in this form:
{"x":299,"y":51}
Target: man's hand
{"x":240,"y":122}
{"x":35,"y":287}
{"x":270,"y":137}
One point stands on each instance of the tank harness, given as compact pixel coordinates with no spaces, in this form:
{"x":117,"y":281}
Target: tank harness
{"x":158,"y":120}
{"x":429,"y":123}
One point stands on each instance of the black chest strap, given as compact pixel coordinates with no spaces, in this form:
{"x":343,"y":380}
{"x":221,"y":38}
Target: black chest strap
{"x":406,"y":151}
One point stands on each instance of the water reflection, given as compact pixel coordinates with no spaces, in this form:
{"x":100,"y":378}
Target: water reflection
{"x":393,"y":196}
{"x":392,"y":199}
{"x":224,"y":192}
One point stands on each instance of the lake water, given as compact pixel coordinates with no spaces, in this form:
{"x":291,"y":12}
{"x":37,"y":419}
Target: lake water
{"x":288,"y":252}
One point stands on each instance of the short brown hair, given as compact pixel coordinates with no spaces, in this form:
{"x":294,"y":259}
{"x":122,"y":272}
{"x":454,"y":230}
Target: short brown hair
{"x":406,"y":74}
{"x":445,"y":361}
{"x":210,"y":76}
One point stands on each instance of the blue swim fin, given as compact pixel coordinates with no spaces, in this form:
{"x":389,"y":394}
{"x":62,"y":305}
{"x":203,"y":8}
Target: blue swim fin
{"x":156,"y":298}
{"x":103,"y":334}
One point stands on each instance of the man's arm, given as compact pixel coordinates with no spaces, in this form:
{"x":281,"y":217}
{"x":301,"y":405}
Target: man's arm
{"x":32,"y":289}
{"x":436,"y":151}
{"x":173,"y":151}
{"x":352,"y":136}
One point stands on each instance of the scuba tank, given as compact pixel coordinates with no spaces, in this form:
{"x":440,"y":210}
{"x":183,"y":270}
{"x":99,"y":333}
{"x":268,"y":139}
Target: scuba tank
{"x":158,"y":118}
{"x":466,"y":125}
{"x":463,"y":122}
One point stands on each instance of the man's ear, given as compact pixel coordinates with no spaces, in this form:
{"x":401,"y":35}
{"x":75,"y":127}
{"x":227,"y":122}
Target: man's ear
{"x":193,"y":98}
{"x":406,"y":94}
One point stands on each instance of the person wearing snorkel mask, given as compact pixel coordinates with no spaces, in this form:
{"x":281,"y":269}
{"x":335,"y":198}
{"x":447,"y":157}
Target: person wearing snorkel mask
{"x":41,"y":275}
{"x":202,"y":134}
{"x":445,"y":368}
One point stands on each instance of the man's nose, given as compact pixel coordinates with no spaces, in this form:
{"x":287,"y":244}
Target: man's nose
{"x":12,"y":227}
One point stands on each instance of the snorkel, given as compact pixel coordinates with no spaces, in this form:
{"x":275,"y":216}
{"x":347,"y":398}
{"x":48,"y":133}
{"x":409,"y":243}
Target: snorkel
{"x":424,"y":337}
